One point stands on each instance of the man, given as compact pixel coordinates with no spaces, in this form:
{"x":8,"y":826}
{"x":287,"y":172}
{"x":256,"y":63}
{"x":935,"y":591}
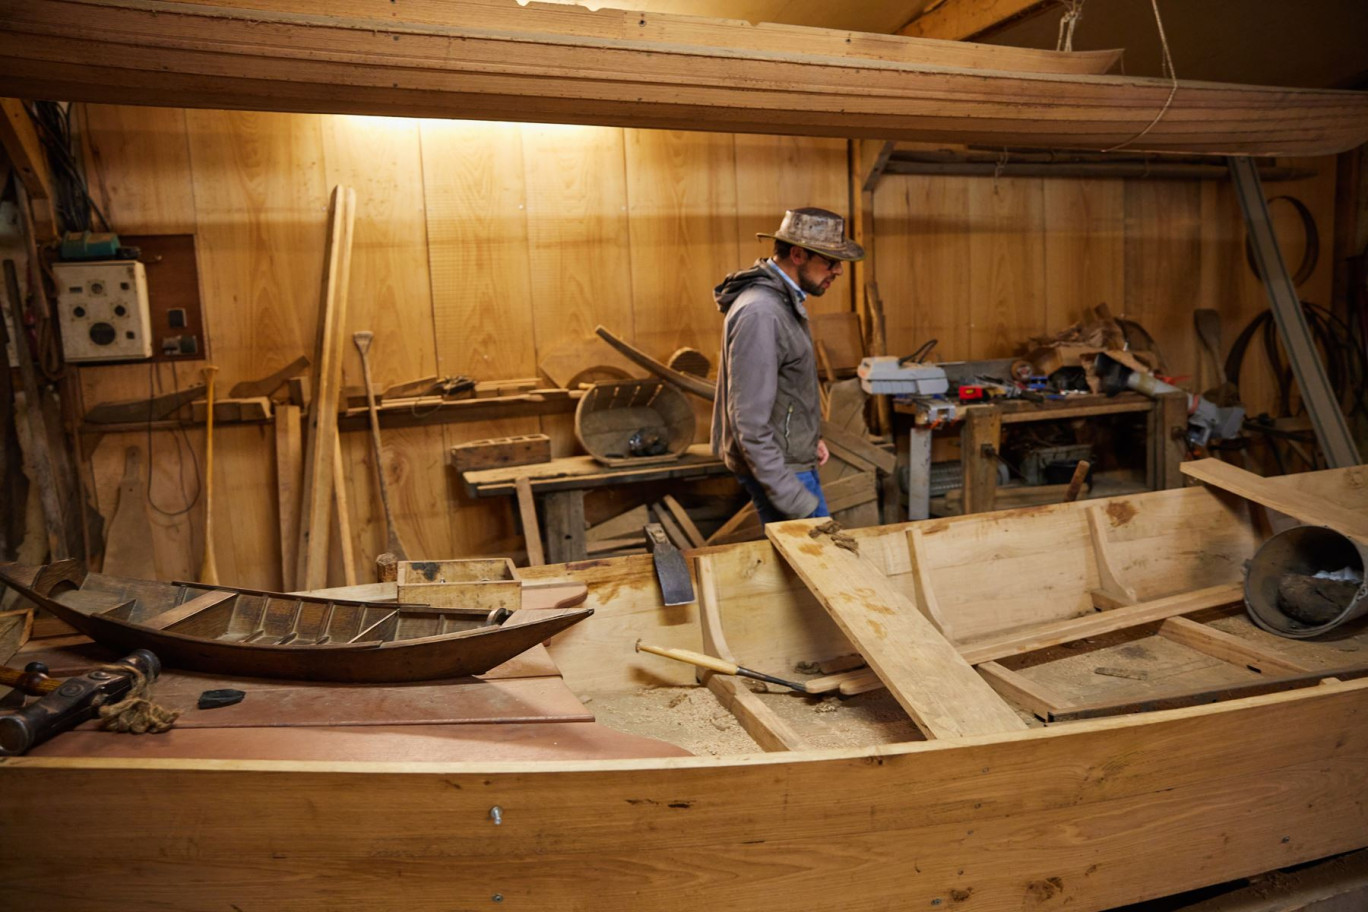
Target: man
{"x":767,"y":417}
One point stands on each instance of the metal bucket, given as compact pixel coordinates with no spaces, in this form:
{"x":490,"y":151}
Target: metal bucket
{"x":1302,"y":550}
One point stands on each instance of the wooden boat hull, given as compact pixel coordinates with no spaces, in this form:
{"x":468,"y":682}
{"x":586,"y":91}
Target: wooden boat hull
{"x":557,"y":66}
{"x":371,"y":660}
{"x":1106,"y":813}
{"x":1081,"y":816}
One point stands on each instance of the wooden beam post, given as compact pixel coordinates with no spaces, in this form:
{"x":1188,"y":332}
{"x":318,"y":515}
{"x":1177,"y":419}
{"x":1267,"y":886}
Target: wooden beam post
{"x":312,"y":559}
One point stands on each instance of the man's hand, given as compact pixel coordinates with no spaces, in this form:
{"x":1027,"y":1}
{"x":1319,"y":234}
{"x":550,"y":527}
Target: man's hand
{"x":823,"y":454}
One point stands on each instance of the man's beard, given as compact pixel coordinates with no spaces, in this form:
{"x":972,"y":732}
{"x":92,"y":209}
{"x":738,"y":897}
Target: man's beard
{"x":816,"y":289}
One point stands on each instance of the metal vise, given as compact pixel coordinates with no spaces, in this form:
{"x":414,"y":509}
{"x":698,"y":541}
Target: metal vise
{"x":75,"y":701}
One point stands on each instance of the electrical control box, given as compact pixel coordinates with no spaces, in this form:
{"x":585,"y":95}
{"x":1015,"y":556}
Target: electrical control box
{"x":103,"y":310}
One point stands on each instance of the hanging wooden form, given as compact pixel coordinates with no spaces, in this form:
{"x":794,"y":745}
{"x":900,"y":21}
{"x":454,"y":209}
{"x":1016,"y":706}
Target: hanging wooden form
{"x":492,"y":60}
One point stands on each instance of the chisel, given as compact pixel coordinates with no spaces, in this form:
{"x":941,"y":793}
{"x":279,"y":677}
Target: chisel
{"x":712,"y":663}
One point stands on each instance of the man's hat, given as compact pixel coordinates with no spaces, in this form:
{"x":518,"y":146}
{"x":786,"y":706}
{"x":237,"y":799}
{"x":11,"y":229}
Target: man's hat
{"x":818,"y":230}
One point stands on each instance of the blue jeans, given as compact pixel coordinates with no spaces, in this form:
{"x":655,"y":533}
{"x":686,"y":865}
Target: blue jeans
{"x":768,"y":513}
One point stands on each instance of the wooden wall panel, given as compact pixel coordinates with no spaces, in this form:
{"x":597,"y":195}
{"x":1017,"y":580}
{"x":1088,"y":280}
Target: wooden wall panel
{"x":581,"y":269}
{"x":682,"y":197}
{"x":921,"y":227}
{"x":1163,"y":265}
{"x":774,"y":173}
{"x":262,"y":199}
{"x":1006,"y":264}
{"x":476,"y":196}
{"x":1085,"y":252}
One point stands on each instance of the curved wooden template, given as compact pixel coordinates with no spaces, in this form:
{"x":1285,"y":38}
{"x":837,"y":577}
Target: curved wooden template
{"x":921,"y":580}
{"x":171,"y":54}
{"x":1066,"y":813}
{"x":760,"y":722}
{"x":1109,"y":584}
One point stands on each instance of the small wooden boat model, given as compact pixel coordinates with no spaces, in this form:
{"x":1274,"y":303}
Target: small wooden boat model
{"x":253,"y":633}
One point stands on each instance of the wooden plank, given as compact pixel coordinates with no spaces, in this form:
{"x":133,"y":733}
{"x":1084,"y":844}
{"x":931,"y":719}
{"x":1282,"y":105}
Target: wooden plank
{"x":1227,"y":646}
{"x":128,"y":540}
{"x":583,"y":472}
{"x":289,"y":465}
{"x":625,"y":525}
{"x":320,"y":447}
{"x":25,"y":151}
{"x":256,"y":59}
{"x":684,"y":521}
{"x":854,"y":443}
{"x":527,"y":512}
{"x":960,"y":20}
{"x":186,"y":609}
{"x":525,"y":449}
{"x":921,"y":668}
{"x":1300,"y":505}
{"x":1020,"y":690}
{"x":564,"y":511}
{"x":1039,"y":637}
{"x":342,"y":519}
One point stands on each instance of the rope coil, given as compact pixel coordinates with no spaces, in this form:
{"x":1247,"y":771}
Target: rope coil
{"x":135,"y":713}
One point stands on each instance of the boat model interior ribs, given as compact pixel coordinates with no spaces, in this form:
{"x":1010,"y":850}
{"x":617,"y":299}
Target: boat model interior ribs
{"x":293,"y":636}
{"x":1082,"y":712}
{"x":497,"y":60}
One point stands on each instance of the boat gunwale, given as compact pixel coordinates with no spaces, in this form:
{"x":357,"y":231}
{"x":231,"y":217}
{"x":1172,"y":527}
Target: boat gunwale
{"x":876,"y":753}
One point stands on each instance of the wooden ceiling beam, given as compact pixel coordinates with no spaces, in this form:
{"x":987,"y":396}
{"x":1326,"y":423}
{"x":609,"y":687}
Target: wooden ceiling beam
{"x":188,"y":55}
{"x":961,"y":20}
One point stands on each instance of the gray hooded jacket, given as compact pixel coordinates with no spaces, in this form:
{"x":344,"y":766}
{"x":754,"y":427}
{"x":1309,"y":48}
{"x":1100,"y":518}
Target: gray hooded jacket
{"x":767,"y":416}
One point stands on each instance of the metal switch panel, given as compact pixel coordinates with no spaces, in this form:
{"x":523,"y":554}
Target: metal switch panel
{"x":102,"y":310}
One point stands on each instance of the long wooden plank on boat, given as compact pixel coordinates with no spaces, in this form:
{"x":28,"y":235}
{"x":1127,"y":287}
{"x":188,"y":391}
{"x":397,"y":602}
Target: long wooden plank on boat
{"x":487,"y":742}
{"x":922,"y":669}
{"x":1050,"y":819}
{"x":195,"y":55}
{"x":1300,"y":505}
{"x":459,"y":702}
{"x":1045,"y":635}
{"x":1268,"y":685}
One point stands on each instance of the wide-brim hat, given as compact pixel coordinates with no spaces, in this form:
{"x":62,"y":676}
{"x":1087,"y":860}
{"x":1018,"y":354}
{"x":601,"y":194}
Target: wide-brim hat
{"x":818,"y":230}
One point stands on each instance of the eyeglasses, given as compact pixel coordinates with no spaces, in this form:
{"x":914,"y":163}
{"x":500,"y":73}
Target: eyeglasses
{"x":831,"y":263}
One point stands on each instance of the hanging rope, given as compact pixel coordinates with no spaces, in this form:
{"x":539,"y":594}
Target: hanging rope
{"x":1168,"y":71}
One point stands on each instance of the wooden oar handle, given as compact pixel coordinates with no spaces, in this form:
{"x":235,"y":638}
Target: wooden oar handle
{"x":712,"y":663}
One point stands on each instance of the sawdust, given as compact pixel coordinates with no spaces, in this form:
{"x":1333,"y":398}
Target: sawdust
{"x":831,"y":721}
{"x":689,"y":717}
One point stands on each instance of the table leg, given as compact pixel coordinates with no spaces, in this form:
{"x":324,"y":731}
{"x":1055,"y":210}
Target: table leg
{"x":564,"y":512}
{"x":919,"y":473}
{"x":979,"y":442}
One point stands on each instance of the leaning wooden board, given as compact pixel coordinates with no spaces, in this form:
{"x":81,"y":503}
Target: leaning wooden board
{"x":1300,"y":505}
{"x":940,"y":691}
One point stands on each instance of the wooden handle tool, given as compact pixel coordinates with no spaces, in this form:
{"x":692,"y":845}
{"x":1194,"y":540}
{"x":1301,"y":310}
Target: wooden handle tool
{"x":712,"y":663}
{"x":209,"y":569}
{"x":1076,"y":483}
{"x":392,"y":543}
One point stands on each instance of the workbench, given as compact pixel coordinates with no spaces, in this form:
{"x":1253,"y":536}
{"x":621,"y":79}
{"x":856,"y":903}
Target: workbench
{"x":560,"y":485}
{"x":981,"y":438}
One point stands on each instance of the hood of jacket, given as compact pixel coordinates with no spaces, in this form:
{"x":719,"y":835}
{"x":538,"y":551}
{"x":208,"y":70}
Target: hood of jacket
{"x":763,"y":273}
